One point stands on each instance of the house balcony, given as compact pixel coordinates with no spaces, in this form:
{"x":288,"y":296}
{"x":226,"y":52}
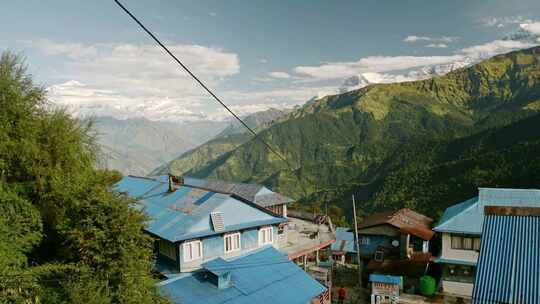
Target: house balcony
{"x":306,"y":235}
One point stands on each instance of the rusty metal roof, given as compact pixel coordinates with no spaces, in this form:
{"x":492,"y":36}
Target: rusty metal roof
{"x":404,"y":219}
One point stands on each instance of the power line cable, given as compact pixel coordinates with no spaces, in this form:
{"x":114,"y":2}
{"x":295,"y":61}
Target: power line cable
{"x":200,"y":82}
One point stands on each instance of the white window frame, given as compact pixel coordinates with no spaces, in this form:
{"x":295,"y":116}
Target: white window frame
{"x":232,"y":236}
{"x":264,"y":230}
{"x":189,"y":251}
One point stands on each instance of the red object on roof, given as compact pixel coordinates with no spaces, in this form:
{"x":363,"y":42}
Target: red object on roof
{"x":404,"y":219}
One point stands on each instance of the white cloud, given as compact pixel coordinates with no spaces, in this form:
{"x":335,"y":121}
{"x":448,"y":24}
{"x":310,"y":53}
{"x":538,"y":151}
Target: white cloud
{"x":71,"y":50}
{"x":138,"y":80}
{"x":212,"y":14}
{"x":83,"y":101}
{"x":378,"y":64}
{"x":413,"y":38}
{"x":263,"y":60}
{"x":437,"y":45}
{"x":501,"y":22}
{"x":494,"y":48}
{"x":445,"y":39}
{"x":279,"y":75}
{"x":532,"y":27}
{"x":372,"y":64}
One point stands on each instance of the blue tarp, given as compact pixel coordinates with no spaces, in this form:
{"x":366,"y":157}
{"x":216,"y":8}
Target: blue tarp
{"x":264,"y":276}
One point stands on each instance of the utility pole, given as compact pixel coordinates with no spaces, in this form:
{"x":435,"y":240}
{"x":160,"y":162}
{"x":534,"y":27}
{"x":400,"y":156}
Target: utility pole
{"x":357,"y":243}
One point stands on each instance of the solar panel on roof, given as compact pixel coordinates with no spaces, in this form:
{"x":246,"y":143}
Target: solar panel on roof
{"x":217,"y":221}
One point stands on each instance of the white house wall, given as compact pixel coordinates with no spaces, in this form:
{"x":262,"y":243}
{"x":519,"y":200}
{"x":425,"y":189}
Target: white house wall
{"x":213,"y":247}
{"x":456,"y":254}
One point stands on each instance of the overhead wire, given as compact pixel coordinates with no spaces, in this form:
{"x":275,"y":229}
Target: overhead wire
{"x":295,"y":172}
{"x":200,"y":82}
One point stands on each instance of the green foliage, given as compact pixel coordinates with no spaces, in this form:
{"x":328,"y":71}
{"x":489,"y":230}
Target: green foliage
{"x":229,"y":139}
{"x":348,"y":143}
{"x":435,"y":175}
{"x":65,"y":235}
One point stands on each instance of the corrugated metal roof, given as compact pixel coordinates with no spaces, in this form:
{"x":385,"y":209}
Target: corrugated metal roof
{"x":405,"y":219}
{"x":344,"y":240}
{"x":255,"y":193}
{"x":263,"y":276}
{"x":185,"y":213}
{"x":508,"y":268}
{"x":458,"y":262}
{"x":467,"y":217}
{"x":380,"y":278}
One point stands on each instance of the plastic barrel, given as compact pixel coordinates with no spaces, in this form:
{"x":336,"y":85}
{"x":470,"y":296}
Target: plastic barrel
{"x":427,"y":286}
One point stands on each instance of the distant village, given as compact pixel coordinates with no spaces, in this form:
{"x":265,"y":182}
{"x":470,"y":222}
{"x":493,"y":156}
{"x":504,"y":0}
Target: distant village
{"x":223,"y":242}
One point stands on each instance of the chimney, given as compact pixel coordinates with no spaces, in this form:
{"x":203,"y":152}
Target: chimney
{"x":175,"y":181}
{"x":171,"y":186}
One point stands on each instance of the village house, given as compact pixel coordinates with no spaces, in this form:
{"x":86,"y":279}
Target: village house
{"x":461,"y":230}
{"x":302,"y":236}
{"x":264,"y":276}
{"x":508,"y":269}
{"x":396,"y":243}
{"x":394,"y":235}
{"x":344,"y":249}
{"x":194,"y":222}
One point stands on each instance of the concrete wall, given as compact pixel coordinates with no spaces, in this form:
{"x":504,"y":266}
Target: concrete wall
{"x":214,"y":247}
{"x":457,"y":288}
{"x":456,"y":254}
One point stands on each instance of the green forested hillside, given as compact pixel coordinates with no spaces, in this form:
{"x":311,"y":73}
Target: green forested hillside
{"x":434,"y":175}
{"x":230,"y":138}
{"x":65,"y":236}
{"x":345,"y":142}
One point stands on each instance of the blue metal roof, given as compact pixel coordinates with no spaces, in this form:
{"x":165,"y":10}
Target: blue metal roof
{"x":456,"y":262}
{"x":263,"y":276}
{"x":388,"y":279}
{"x":467,"y":217}
{"x":255,"y":193}
{"x":344,"y":236}
{"x":185,"y":213}
{"x":508,"y":268}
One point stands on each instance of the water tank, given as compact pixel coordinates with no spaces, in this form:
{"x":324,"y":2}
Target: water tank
{"x":427,"y":286}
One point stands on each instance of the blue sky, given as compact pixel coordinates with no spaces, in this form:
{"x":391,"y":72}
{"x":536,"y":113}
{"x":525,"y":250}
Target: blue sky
{"x":256,"y":54}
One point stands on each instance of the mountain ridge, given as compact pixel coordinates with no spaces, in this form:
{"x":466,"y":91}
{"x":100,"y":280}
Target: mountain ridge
{"x":232,"y":136}
{"x":344,"y":139}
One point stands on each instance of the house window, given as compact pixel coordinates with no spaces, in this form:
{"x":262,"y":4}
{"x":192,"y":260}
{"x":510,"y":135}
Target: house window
{"x":277,"y":209}
{"x":167,"y":249}
{"x":192,"y":251}
{"x":465,"y":242}
{"x":364,"y":240}
{"x":457,"y":242}
{"x":232,"y":242}
{"x":476,"y":244}
{"x":265,"y":236}
{"x":459,"y":273}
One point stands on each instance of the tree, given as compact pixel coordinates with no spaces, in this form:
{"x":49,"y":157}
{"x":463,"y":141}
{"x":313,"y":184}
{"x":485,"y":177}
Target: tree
{"x":66,"y":235}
